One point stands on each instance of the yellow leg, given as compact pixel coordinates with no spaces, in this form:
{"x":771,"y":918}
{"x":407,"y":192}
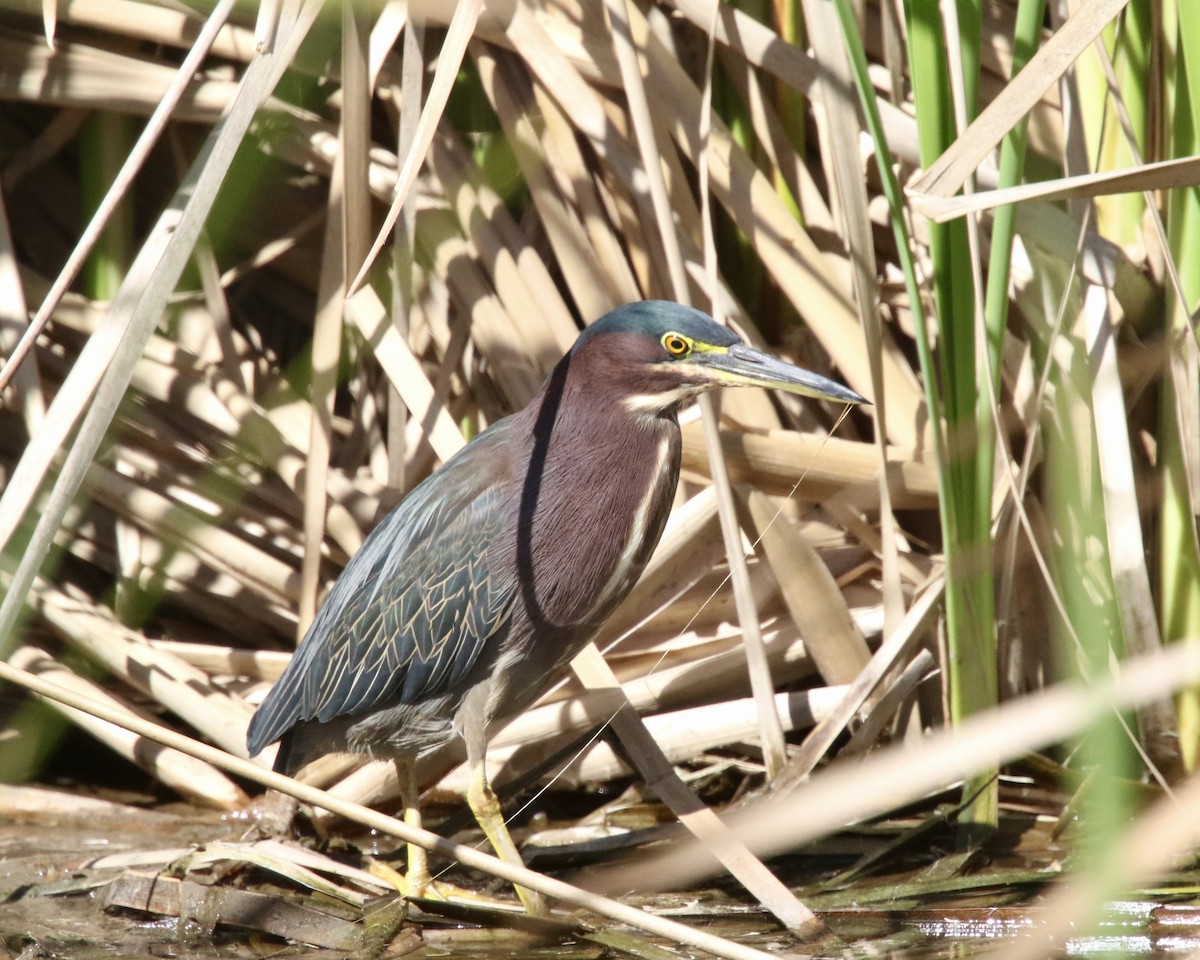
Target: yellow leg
{"x":410,"y":796}
{"x":487,"y":811}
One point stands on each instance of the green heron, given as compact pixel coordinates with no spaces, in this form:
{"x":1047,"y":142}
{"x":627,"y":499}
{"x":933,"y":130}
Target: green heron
{"x":470,"y":598}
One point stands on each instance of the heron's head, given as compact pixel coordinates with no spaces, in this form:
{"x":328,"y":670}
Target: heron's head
{"x":658,"y":355}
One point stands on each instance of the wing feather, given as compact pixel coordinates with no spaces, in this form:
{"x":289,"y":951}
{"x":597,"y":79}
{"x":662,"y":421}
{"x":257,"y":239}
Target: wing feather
{"x":412,"y":613}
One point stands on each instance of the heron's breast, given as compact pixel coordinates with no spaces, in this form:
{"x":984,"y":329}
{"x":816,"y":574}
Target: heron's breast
{"x":593,"y":537}
{"x":642,"y":534}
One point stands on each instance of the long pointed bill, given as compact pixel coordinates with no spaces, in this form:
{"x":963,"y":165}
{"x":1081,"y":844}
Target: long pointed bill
{"x":745,"y":366}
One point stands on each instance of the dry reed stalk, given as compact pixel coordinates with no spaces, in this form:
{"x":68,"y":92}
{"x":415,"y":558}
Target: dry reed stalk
{"x":888,"y":698}
{"x":182,"y":689}
{"x":221,"y":661}
{"x":909,"y":631}
{"x":849,"y":792}
{"x":704,"y":824}
{"x":681,"y":734}
{"x":159,"y":25}
{"x":810,"y":467}
{"x":592,"y":288}
{"x":81,"y":75}
{"x":404,"y":369}
{"x":288,"y":862}
{"x":944,"y":177}
{"x":16,"y":801}
{"x":192,"y":778}
{"x":818,"y":608}
{"x":14,"y":324}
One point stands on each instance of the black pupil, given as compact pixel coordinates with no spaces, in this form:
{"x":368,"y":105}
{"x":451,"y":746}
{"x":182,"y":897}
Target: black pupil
{"x":675,"y":345}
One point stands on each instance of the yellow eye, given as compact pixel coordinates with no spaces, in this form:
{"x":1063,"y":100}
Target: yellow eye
{"x":676,"y":345}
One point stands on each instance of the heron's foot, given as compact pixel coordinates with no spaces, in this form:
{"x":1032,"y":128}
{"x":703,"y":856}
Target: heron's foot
{"x":422,"y":885}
